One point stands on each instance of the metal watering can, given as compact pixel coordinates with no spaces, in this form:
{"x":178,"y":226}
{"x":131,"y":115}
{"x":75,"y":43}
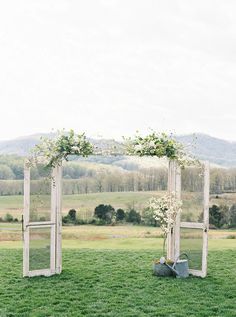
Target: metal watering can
{"x":180,"y":267}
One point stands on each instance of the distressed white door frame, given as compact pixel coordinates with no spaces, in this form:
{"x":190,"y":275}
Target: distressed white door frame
{"x":174,"y":187}
{"x":195,"y":225}
{"x":57,"y":178}
{"x":54,"y":224}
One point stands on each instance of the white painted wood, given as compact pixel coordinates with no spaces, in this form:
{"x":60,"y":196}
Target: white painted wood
{"x":26,"y":220}
{"x":46,"y":272}
{"x":173,"y":239}
{"x":192,"y":225}
{"x":53,"y":223}
{"x":204,"y":225}
{"x":174,"y":187}
{"x":58,"y":180}
{"x":177,"y":222}
{"x":53,"y":220}
{"x":197,"y":273}
{"x":206,"y":217}
{"x":39,"y":226}
{"x":40,"y":223}
{"x":171,"y":189}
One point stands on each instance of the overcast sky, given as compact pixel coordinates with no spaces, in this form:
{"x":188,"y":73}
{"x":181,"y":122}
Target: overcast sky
{"x":112,"y":67}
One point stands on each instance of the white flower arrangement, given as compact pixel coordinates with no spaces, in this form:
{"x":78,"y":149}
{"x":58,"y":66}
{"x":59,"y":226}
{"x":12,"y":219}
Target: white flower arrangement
{"x":53,"y":151}
{"x":165,"y":210}
{"x":159,"y":145}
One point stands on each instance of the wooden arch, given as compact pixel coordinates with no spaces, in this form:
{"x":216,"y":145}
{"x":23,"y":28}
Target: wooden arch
{"x":53,"y":226}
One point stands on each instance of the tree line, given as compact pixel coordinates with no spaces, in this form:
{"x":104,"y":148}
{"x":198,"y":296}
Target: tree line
{"x":104,"y":215}
{"x":220,"y":216}
{"x":109,"y":175}
{"x":142,"y":180}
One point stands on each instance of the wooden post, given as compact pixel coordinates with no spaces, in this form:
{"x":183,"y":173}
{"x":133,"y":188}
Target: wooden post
{"x":204,"y":225}
{"x":170,"y":188}
{"x":58,"y":182}
{"x":177,"y":222}
{"x":174,"y":187}
{"x":206,"y":217}
{"x":55,"y":225}
{"x":25,"y":220}
{"x":53,"y":221}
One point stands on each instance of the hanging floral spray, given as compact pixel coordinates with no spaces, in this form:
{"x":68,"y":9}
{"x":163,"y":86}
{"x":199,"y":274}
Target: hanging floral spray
{"x":165,"y":211}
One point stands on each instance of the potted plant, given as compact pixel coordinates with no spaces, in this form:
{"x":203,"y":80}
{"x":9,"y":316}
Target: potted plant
{"x":165,"y":210}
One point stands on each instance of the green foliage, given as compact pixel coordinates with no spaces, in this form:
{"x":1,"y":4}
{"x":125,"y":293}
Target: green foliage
{"x":98,"y":222}
{"x":148,"y":217}
{"x":159,"y":145}
{"x":18,"y":170}
{"x":232,"y":216}
{"x":120,"y":214}
{"x":116,"y":283}
{"x":219,"y":216}
{"x":15,"y":164}
{"x":102,"y":174}
{"x":70,"y":218}
{"x":8,"y":218}
{"x":104,"y":212}
{"x":55,"y":151}
{"x":215,"y":216}
{"x":6,"y":172}
{"x":72,"y":214}
{"x":133,"y":216}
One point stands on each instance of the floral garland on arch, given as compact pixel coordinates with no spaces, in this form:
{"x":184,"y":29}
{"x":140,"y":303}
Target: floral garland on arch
{"x":52,"y":152}
{"x":159,"y":145}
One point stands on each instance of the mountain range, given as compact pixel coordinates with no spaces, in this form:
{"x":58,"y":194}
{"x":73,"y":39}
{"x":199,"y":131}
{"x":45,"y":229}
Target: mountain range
{"x":204,"y":147}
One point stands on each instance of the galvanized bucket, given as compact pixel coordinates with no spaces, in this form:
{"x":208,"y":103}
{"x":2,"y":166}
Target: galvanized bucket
{"x":160,"y":269}
{"x":180,"y":267}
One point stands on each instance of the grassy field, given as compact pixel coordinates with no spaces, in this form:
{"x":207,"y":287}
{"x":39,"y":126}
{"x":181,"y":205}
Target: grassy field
{"x":85,"y":203}
{"x":116,"y":283}
{"x":86,"y":235}
{"x":107,"y":271}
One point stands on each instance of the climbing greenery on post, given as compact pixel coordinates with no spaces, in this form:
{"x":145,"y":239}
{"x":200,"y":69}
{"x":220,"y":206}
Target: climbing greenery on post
{"x":159,"y":145}
{"x":53,"y":151}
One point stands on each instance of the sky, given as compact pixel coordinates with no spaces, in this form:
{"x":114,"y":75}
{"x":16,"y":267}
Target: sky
{"x":111,"y":67}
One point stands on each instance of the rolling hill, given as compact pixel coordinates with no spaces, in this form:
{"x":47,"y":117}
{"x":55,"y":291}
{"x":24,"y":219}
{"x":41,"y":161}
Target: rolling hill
{"x":217,"y":151}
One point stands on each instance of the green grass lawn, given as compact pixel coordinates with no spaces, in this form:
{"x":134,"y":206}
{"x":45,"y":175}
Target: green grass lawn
{"x":107,"y":271}
{"x":113,"y":237}
{"x":124,"y":244}
{"x":116,"y":283}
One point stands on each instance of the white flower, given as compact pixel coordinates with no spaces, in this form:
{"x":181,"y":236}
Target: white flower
{"x":152,"y":144}
{"x":165,"y":210}
{"x":138,"y":147}
{"x":75,"y":148}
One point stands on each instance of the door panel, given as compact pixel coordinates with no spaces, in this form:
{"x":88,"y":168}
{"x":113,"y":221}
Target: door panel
{"x":194,"y":223}
{"x":39,"y":226}
{"x":40,"y":200}
{"x":191,"y":243}
{"x":39,"y":248}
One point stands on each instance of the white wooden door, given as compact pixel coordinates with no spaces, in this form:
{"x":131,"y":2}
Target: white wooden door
{"x":194,"y":222}
{"x":42,"y":225}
